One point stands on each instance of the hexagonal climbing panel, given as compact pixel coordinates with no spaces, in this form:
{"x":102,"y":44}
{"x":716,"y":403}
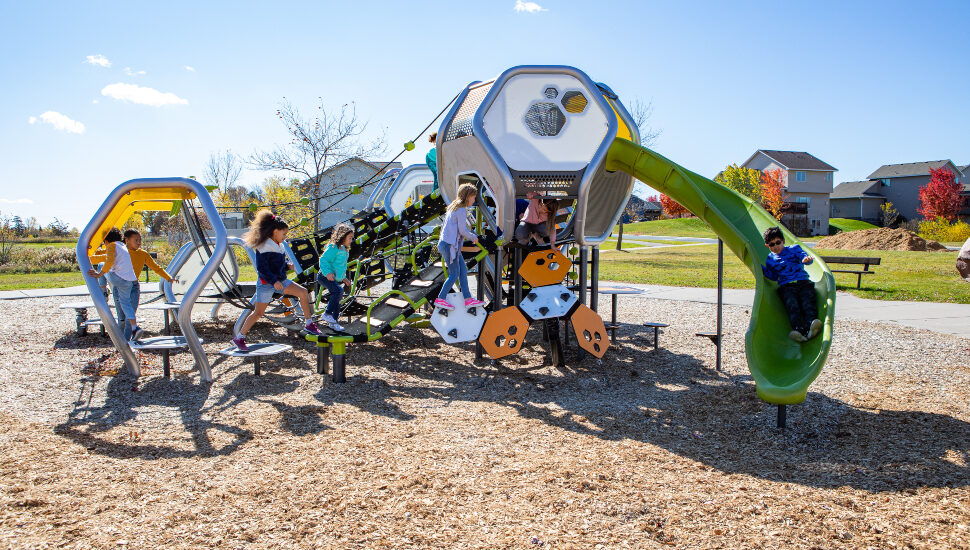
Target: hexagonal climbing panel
{"x":545,"y":119}
{"x":574,"y":102}
{"x":546,"y":302}
{"x":544,"y":267}
{"x":590,"y":330}
{"x":504,"y":332}
{"x":460,"y":324}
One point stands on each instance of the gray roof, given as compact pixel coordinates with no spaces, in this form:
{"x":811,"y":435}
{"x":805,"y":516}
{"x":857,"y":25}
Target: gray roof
{"x":856,"y":189}
{"x":797,"y":160}
{"x":652,"y":206}
{"x":908,"y":169}
{"x":964,"y":170}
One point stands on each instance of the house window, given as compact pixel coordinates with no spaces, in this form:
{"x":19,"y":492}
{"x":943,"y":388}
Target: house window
{"x":828,"y":176}
{"x":799,"y":176}
{"x":806,"y":200}
{"x":886,"y":181}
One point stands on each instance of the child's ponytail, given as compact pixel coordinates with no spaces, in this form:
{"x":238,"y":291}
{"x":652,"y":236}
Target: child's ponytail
{"x":262,"y":228}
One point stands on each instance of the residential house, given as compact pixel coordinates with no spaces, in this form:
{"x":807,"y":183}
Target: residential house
{"x":858,"y":200}
{"x":896,"y":183}
{"x":354,"y":171}
{"x":807,"y":180}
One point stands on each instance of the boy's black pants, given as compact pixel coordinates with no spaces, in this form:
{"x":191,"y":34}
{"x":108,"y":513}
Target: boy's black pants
{"x":799,"y":300}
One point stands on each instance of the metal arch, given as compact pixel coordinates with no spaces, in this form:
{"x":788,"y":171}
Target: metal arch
{"x":508,"y":212}
{"x":398,"y":182}
{"x":184,"y":316}
{"x":386,"y":179}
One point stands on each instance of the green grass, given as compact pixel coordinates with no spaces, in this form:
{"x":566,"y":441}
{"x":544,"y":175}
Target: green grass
{"x":678,"y":227}
{"x":911,"y":276}
{"x":44,"y":244}
{"x":845,"y":225}
{"x":22,"y":281}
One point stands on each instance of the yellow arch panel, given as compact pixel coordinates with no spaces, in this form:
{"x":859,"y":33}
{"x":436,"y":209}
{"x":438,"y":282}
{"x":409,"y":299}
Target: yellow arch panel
{"x":138,"y":200}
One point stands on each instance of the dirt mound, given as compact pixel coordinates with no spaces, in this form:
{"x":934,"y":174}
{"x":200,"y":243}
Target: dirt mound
{"x":882,"y":238}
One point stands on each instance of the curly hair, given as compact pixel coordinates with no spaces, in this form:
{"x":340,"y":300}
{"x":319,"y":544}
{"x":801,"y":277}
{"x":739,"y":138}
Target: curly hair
{"x":262,"y":228}
{"x":339,"y":232}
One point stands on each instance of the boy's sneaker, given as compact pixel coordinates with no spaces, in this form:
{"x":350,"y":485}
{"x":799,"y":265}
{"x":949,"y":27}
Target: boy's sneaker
{"x":136,"y":333}
{"x":796,"y":336}
{"x":337,"y":326}
{"x":444,"y":304}
{"x":240,"y":342}
{"x":312,"y":328}
{"x":471,"y":302}
{"x":814,"y":329}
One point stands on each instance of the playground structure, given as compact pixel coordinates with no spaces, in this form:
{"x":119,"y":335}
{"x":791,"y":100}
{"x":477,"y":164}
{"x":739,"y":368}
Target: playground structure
{"x":545,"y":129}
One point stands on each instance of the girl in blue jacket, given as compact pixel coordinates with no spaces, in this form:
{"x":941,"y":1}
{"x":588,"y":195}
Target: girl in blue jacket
{"x":333,"y":271}
{"x":265,"y":236}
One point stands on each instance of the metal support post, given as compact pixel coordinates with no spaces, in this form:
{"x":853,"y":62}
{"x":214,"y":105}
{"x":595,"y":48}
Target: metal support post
{"x":720,"y":297}
{"x":339,"y":362}
{"x":582,"y":274}
{"x":782,"y":416}
{"x":323,"y":358}
{"x":594,"y":292}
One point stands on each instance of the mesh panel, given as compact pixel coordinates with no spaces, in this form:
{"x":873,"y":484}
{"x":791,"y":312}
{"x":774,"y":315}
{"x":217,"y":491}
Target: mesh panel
{"x":545,"y":119}
{"x":574,"y":102}
{"x":461,"y":125}
{"x":554,"y":184}
{"x":607,"y":196}
{"x":551,"y":93}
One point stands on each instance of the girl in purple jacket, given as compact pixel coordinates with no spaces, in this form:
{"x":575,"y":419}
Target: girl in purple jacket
{"x":453,"y":234}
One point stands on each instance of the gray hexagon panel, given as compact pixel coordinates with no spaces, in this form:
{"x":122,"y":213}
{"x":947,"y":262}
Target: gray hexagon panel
{"x":546,"y":302}
{"x":460,"y":324}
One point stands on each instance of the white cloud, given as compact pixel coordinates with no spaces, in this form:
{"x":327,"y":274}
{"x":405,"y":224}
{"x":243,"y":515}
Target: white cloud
{"x":16,"y":201}
{"x":190,"y":68}
{"x":530,"y":7}
{"x":130,"y":72}
{"x":142,"y":95}
{"x":95,"y":101}
{"x":59,"y":121}
{"x":99,"y":60}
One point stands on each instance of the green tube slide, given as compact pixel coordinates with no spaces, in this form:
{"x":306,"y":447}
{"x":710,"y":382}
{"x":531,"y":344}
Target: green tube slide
{"x":782,"y":368}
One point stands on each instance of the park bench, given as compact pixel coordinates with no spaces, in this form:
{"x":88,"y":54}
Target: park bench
{"x":864,"y":262}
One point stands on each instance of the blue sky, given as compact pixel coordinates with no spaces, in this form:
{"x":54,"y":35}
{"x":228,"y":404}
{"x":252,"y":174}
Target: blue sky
{"x":858,"y":84}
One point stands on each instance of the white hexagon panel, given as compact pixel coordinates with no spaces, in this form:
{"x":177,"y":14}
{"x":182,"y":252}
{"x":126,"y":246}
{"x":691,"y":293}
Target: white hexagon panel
{"x":461,"y":324}
{"x":546,"y":302}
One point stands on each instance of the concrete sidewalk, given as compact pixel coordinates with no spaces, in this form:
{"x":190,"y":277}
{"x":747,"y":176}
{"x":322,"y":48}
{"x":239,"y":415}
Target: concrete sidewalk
{"x":938,"y":317}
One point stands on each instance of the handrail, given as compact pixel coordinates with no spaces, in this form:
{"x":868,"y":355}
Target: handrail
{"x":383,"y":296}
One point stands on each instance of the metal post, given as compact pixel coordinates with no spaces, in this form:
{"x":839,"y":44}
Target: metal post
{"x":323,"y":358}
{"x":497,"y":294}
{"x":516,"y":277}
{"x":582,"y":274}
{"x":720,"y":296}
{"x":339,"y":362}
{"x":782,"y":416}
{"x":256,"y":365}
{"x":165,"y":364}
{"x":594,"y":293}
{"x":480,"y":294}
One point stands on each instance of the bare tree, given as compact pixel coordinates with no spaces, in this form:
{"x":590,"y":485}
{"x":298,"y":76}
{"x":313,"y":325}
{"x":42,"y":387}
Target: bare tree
{"x":222,"y":170}
{"x":641,"y":111}
{"x":7,"y":238}
{"x":317,"y":144}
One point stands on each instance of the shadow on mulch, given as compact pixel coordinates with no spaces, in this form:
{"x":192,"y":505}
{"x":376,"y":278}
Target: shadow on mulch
{"x":676,"y":402}
{"x":673,"y":401}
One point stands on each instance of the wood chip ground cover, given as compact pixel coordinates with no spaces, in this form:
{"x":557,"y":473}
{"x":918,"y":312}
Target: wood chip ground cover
{"x":425,"y":448}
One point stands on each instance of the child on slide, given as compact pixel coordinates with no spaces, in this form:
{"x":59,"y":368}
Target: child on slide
{"x":454,"y":231}
{"x":122,"y":254}
{"x":539,"y":220}
{"x":784,"y":265}
{"x":265,"y":237}
{"x":333,"y":271}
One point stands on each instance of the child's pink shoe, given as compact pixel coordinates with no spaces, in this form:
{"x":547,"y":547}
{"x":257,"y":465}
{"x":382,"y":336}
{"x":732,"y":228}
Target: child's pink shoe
{"x":471,"y":302}
{"x":443,"y":304}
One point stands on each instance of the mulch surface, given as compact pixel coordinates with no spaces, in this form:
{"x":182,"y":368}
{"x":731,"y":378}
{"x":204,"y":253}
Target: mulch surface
{"x":424,"y":447}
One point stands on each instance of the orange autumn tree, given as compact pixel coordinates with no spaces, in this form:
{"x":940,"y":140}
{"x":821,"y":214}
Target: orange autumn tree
{"x":772,"y":196}
{"x":673,"y":208}
{"x":940,"y":198}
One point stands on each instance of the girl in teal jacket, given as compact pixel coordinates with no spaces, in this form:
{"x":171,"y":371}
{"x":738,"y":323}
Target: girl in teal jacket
{"x":333,"y":271}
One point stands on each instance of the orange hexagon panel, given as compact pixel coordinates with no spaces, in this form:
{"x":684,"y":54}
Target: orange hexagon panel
{"x":544,"y":267}
{"x":590,"y":330}
{"x":504,"y":332}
